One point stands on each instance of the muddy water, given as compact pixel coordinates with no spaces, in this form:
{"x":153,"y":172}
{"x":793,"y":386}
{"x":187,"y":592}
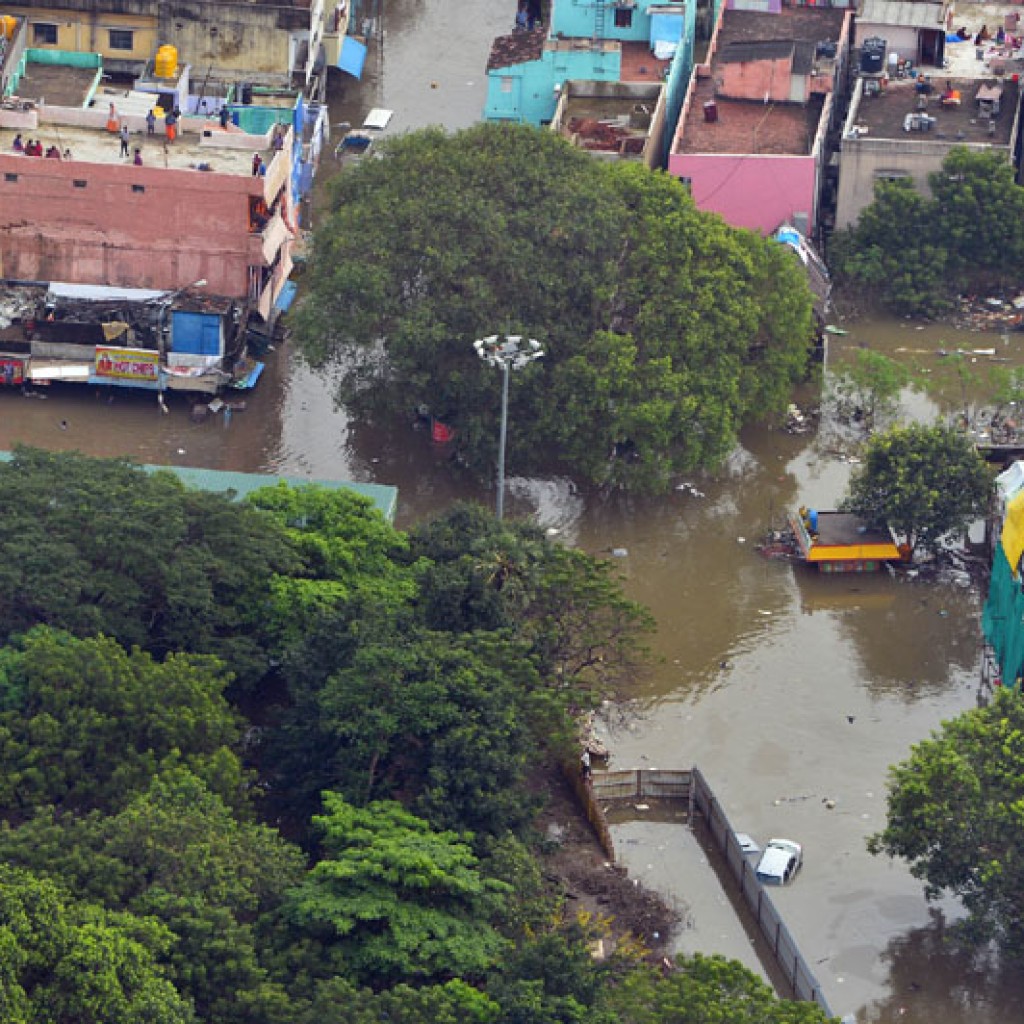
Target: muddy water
{"x":786,"y":688}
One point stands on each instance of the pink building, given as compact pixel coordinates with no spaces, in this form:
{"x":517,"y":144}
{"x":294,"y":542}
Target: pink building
{"x":751,"y":139}
{"x":167,"y":215}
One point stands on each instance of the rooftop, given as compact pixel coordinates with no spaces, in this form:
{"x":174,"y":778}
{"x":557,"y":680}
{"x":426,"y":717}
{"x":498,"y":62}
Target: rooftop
{"x":516,"y":48}
{"x":883,"y":115}
{"x":383,"y":496}
{"x":809,"y":24}
{"x":962,"y":59}
{"x":97,"y":146}
{"x":749,"y":126}
{"x":843,"y":528}
{"x":638,"y":64}
{"x":56,"y":84}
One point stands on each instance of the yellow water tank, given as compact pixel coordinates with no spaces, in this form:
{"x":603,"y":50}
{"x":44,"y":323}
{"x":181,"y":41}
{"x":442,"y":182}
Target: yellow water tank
{"x":166,"y":63}
{"x":7,"y":25}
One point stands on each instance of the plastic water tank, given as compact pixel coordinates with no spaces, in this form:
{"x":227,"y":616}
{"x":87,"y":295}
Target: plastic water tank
{"x":710,"y":111}
{"x":7,"y":25}
{"x":872,"y":56}
{"x":166,"y":63}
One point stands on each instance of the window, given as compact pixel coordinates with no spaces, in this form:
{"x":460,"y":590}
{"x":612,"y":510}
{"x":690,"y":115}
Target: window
{"x":623,"y":17}
{"x":122,"y":39}
{"x":891,"y":175}
{"x":138,"y":188}
{"x":44,"y":34}
{"x":80,"y":183}
{"x":10,"y":177}
{"x":506,"y":83}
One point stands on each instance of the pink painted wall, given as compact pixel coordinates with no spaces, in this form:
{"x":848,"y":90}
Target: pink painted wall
{"x":187,"y":225}
{"x":755,"y":79}
{"x":758,"y":192}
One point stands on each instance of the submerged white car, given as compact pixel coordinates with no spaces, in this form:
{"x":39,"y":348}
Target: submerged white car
{"x":780,"y":861}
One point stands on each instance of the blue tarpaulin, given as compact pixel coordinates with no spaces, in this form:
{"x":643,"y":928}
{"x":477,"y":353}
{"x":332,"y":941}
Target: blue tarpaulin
{"x":666,"y":28}
{"x":352,"y":57}
{"x":287,"y":296}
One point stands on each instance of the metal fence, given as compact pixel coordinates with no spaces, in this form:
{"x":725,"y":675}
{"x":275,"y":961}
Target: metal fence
{"x":690,"y":786}
{"x":788,"y":958}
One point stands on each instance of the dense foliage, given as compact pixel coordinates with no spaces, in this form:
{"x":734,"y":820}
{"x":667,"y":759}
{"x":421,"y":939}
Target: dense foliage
{"x":664,"y":330}
{"x":346,"y":838}
{"x":916,"y":253}
{"x":925,"y":482}
{"x":955,"y":815}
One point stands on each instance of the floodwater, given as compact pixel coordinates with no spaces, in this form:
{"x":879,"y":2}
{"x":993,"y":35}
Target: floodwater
{"x":786,"y":688}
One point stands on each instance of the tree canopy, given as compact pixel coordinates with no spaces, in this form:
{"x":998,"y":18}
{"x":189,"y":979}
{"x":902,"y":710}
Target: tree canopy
{"x":954,"y":813}
{"x":664,"y":330}
{"x":84,"y":725}
{"x":151,"y":811}
{"x":65,"y":961}
{"x":915,"y":252}
{"x":397,"y":900}
{"x":101,"y":546}
{"x":925,"y":482}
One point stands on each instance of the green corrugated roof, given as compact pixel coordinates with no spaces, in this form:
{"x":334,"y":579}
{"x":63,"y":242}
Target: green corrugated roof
{"x":383,"y":496}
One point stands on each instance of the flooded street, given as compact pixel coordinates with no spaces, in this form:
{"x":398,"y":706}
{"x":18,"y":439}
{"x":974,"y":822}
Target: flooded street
{"x":786,"y":688}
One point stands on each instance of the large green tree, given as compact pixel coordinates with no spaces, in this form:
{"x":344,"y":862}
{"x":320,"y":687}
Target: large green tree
{"x":955,"y":813}
{"x":664,"y":330}
{"x":102,"y":546}
{"x":178,"y":855}
{"x":924,"y":481}
{"x":706,"y":989}
{"x":916,"y":252}
{"x":84,"y":724}
{"x":63,"y":962}
{"x":393,"y":900}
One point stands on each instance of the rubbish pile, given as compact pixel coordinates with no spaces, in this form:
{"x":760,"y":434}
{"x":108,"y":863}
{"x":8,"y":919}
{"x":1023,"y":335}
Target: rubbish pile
{"x":990,"y":313}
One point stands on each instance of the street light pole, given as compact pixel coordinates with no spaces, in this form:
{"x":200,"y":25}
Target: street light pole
{"x":500,"y":505}
{"x":512,"y":353}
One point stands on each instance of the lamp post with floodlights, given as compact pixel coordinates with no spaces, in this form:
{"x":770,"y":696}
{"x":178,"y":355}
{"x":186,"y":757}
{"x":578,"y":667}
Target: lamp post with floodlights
{"x":512,"y":352}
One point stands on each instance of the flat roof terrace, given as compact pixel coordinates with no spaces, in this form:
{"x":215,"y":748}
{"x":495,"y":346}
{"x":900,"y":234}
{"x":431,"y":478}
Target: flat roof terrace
{"x":97,"y":146}
{"x":883,"y":114}
{"x":749,"y":126}
{"x":56,"y":84}
{"x":806,"y":24}
{"x":638,"y":64}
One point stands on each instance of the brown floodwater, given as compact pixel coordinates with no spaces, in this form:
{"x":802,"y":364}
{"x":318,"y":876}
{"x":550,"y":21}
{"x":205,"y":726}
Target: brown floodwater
{"x":786,"y":688}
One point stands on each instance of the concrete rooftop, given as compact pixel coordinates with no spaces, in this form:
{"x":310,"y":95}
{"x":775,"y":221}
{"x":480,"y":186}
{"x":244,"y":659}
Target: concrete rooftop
{"x":961,"y":57}
{"x":638,"y":64}
{"x":56,"y":84}
{"x":883,"y":114}
{"x":749,"y":126}
{"x":93,"y":145}
{"x":811,"y":24}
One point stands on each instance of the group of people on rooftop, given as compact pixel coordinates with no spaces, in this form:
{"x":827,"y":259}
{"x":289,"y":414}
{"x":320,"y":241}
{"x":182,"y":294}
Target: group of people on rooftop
{"x":33,"y":147}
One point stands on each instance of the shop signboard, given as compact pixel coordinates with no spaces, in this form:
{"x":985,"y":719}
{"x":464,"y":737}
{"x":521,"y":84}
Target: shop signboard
{"x":127,"y":363}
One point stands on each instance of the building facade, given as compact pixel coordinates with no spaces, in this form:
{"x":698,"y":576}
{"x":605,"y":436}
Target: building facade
{"x":270,"y":43}
{"x":751,"y":141}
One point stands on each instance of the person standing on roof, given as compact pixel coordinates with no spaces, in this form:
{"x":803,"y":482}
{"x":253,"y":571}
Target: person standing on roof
{"x":150,"y":123}
{"x":171,"y":125}
{"x":124,"y":140}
